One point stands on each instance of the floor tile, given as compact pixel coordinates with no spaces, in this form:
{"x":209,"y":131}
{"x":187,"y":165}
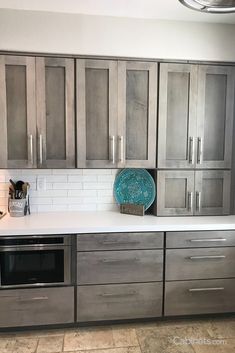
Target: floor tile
{"x":50,"y":344}
{"x":112,"y":350}
{"x":25,"y":345}
{"x":224,"y":328}
{"x":6,"y":345}
{"x":88,"y":338}
{"x":124,"y":337}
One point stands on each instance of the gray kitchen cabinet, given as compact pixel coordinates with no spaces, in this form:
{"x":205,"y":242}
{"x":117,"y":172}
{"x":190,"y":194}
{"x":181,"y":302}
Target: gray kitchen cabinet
{"x":212,"y":192}
{"x":137,"y":114}
{"x":55,"y":112}
{"x":193,"y":192}
{"x":196,"y":111}
{"x":175,"y":193}
{"x":215,"y":114}
{"x":177,"y":115}
{"x":96,"y":113}
{"x":17,"y":112}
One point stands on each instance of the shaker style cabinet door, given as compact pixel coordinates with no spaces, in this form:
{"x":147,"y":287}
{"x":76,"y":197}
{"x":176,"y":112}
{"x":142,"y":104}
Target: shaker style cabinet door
{"x":175,"y":196}
{"x":215,"y":115}
{"x":137,"y":114}
{"x":96,"y":113}
{"x":17,"y":112}
{"x":212,"y":192}
{"x":177,"y":116}
{"x":55,"y":112}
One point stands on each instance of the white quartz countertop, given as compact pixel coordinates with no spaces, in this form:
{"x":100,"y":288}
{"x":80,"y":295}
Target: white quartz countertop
{"x":98,"y":222}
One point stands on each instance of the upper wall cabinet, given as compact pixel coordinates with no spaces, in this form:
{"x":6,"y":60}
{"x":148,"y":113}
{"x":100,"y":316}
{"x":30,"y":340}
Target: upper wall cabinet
{"x":116,"y":114}
{"x":196,"y":111}
{"x":55,"y":112}
{"x":17,"y":112}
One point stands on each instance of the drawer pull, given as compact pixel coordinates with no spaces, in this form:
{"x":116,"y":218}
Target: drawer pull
{"x":207,"y":257}
{"x":120,"y":260}
{"x":118,"y":294}
{"x":206,"y":289}
{"x":206,"y":240}
{"x":32,"y":299}
{"x":110,"y":242}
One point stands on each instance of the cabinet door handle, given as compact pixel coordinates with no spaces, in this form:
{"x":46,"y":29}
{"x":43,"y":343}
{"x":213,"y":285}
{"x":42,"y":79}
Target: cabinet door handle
{"x":110,"y":242}
{"x":40,"y":149}
{"x":199,"y":150}
{"x":32,"y":299}
{"x":121,"y":149}
{"x":212,"y":289}
{"x":190,"y":201}
{"x":118,"y":294}
{"x":112,"y":138}
{"x":191,"y":150}
{"x":199,"y":201}
{"x":31,"y":148}
{"x":207,"y":240}
{"x":107,"y":261}
{"x":207,"y":257}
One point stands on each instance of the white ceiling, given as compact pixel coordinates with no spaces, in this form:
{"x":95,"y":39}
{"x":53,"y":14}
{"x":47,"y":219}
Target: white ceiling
{"x":150,"y":9}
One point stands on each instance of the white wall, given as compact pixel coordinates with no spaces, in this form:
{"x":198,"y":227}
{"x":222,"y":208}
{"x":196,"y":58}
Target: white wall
{"x":93,"y":35}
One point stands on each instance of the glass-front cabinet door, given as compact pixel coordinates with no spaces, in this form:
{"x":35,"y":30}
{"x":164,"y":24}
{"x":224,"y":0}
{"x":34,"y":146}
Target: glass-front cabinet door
{"x":17,"y":112}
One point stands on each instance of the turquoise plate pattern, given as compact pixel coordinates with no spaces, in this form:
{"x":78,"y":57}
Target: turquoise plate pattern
{"x":135,"y":186}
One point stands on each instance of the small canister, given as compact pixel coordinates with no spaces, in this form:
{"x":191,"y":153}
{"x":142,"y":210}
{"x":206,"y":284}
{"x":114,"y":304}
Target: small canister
{"x":17,"y":207}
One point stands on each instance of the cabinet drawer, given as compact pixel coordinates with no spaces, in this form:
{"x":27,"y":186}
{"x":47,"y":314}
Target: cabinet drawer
{"x":119,"y":266}
{"x":200,"y":239}
{"x":200,"y":263}
{"x":119,"y":301}
{"x":200,"y":297}
{"x":41,"y":306}
{"x":119,"y":241}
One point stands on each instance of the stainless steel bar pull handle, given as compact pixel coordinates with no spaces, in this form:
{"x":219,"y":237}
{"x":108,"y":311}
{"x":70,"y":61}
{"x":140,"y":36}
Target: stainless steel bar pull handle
{"x":191,"y":150}
{"x":110,"y":242}
{"x":112,"y":139}
{"x":118,"y":294}
{"x":121,"y":149}
{"x":40,"y":149}
{"x":190,"y":201}
{"x":31,"y":148}
{"x":206,"y":289}
{"x":207,"y":240}
{"x":199,"y":201}
{"x":207,"y":257}
{"x":199,"y":150}
{"x":32,"y":299}
{"x":120,"y":260}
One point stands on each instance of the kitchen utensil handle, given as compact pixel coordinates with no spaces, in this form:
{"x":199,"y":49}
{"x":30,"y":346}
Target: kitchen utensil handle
{"x":118,"y":294}
{"x":40,"y":149}
{"x":112,"y":138}
{"x":190,"y":200}
{"x":199,"y":150}
{"x":121,"y":151}
{"x":212,"y":289}
{"x":207,"y":240}
{"x":31,"y":148}
{"x":207,"y":257}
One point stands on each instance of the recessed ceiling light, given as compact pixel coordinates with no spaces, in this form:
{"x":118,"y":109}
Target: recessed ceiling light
{"x":210,"y":6}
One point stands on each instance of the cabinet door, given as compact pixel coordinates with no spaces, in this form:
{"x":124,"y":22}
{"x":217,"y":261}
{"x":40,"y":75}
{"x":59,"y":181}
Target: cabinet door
{"x":215,"y":116}
{"x":177,"y":116}
{"x":96,"y":113}
{"x":17,"y":112}
{"x":55,"y":112}
{"x":137,"y":114}
{"x":175,"y":193}
{"x":212,"y":190}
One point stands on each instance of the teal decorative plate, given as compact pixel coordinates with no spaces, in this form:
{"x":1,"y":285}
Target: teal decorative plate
{"x":135,"y":186}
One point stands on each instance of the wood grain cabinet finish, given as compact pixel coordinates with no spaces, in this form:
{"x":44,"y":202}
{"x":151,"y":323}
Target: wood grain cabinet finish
{"x":193,"y":193}
{"x":17,"y":112}
{"x":55,"y":112}
{"x":199,"y":297}
{"x":119,"y":241}
{"x":38,"y":306}
{"x":119,"y":301}
{"x":200,"y":263}
{"x":101,"y":267}
{"x":196,"y":111}
{"x":116,"y":114}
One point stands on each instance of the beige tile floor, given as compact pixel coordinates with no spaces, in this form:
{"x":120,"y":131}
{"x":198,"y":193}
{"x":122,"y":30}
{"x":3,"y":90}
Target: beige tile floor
{"x":152,"y":337}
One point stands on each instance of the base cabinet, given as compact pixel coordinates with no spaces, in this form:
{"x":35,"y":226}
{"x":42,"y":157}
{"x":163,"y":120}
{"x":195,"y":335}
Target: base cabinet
{"x":119,"y":301}
{"x":39,"y":306}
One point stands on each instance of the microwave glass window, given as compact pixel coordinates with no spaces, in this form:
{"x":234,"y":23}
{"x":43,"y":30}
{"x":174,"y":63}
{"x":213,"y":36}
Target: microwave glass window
{"x":29,"y":267}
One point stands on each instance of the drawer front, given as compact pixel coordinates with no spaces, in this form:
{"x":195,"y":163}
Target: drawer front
{"x":200,"y":239}
{"x":41,"y":306}
{"x":199,"y":297}
{"x":119,"y":301}
{"x":119,"y":266}
{"x":200,"y":263}
{"x":119,"y":241}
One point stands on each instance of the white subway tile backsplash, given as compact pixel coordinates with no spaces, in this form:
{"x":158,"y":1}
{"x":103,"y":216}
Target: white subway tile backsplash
{"x":66,"y":189}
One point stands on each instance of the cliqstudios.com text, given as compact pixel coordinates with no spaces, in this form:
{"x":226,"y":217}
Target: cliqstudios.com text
{"x":179,"y":341}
